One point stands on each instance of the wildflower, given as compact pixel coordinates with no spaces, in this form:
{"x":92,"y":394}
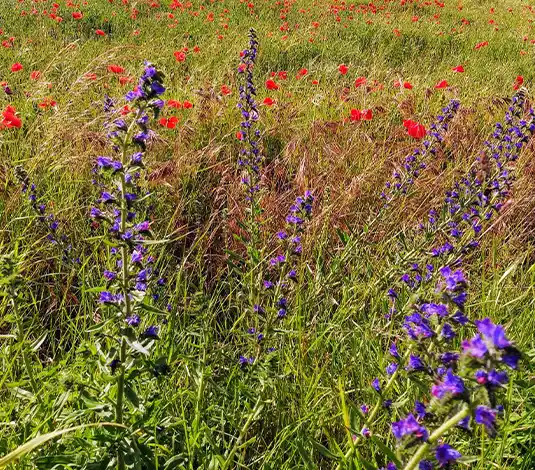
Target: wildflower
{"x":360,"y":81}
{"x":409,"y":427}
{"x":343,"y":69}
{"x":414,"y":129}
{"x":10,"y":119}
{"x":446,"y":455}
{"x":415,"y":364}
{"x":442,"y":84}
{"x":487,"y":417}
{"x":271,"y":85}
{"x":115,"y":69}
{"x":452,"y":385}
{"x":376,"y":385}
{"x":151,"y":332}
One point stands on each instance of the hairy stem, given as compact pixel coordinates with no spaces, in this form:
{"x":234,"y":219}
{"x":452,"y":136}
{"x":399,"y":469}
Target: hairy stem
{"x":424,"y":448}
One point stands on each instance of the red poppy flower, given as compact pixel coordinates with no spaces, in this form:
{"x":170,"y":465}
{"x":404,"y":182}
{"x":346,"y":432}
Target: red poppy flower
{"x":269,"y":101}
{"x":414,"y":129}
{"x":47,"y":103}
{"x":367,"y":114}
{"x":459,"y":69}
{"x":355,"y":115}
{"x":187,"y":105}
{"x":225,"y":90}
{"x":343,"y":69}
{"x":271,"y":85}
{"x":170,"y":123}
{"x":301,"y":73}
{"x":481,"y":44}
{"x":358,"y":115}
{"x":124,"y":79}
{"x":360,"y":81}
{"x":115,"y":69}
{"x":10,"y":119}
{"x":99,"y":32}
{"x":35,"y":75}
{"x":518,"y":82}
{"x":442,"y":84}
{"x":16,"y":67}
{"x":283,"y":75}
{"x":180,"y":56}
{"x":90,"y":76}
{"x":239,"y":135}
{"x":77,"y":15}
{"x":174,"y":104}
{"x":315,"y":82}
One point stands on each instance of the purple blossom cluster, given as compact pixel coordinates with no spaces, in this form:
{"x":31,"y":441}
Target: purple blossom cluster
{"x":281,"y":276}
{"x":47,"y":220}
{"x":250,"y":156}
{"x":471,"y":206}
{"x":119,"y":206}
{"x":464,"y":384}
{"x":415,"y":163}
{"x":476,"y":200}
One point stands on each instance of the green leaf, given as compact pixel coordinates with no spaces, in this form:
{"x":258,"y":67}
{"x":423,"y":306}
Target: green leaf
{"x":324,"y":451}
{"x":131,"y":395}
{"x":386,"y":450}
{"x":309,"y":464}
{"x":38,"y":441}
{"x":153,"y":309}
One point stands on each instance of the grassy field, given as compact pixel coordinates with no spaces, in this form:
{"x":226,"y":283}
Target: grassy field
{"x":208,"y":393}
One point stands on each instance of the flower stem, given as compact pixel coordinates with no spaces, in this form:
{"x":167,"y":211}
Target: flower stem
{"x":424,"y":448}
{"x":20,"y":339}
{"x":125,"y":287}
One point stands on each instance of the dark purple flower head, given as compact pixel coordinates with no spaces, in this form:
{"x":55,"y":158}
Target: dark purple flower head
{"x":495,"y":334}
{"x":425,"y":465}
{"x":415,"y":364}
{"x":394,"y":351}
{"x":151,"y":332}
{"x":446,"y":455}
{"x":376,"y":385}
{"x":133,"y":320}
{"x":475,"y":347}
{"x":420,"y":410}
{"x":409,"y":427}
{"x":487,"y":417}
{"x":452,"y":385}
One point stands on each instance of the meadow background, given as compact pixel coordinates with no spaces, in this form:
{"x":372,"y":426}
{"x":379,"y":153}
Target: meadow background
{"x":292,"y":414}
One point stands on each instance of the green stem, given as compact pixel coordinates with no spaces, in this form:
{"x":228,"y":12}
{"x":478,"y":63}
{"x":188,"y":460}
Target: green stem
{"x":424,"y":448}
{"x":25,"y":358}
{"x":230,"y":456}
{"x":125,"y":284}
{"x":375,"y":410}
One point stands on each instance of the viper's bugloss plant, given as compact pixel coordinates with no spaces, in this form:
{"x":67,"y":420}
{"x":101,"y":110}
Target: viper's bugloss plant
{"x":427,"y":317}
{"x":466,"y":387}
{"x":417,"y":161}
{"x":47,"y":220}
{"x":281,"y":277}
{"x":250,"y":158}
{"x":121,"y":210}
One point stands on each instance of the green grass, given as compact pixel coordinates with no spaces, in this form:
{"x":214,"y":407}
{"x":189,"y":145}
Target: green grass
{"x":208,"y":409}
